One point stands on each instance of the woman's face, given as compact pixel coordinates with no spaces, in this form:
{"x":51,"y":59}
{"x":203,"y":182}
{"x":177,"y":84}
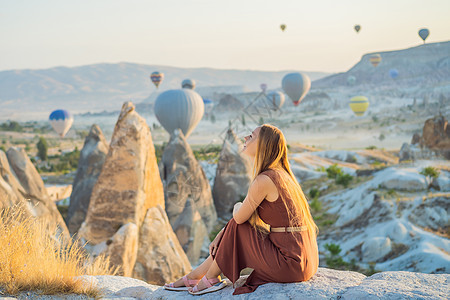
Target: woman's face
{"x":250,"y":142}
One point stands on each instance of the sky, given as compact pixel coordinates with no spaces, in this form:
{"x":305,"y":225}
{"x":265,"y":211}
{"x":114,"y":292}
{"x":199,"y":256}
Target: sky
{"x":227,"y":34}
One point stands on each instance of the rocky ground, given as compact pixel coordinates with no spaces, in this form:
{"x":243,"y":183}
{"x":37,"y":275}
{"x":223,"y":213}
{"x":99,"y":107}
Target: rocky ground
{"x":326,"y":284}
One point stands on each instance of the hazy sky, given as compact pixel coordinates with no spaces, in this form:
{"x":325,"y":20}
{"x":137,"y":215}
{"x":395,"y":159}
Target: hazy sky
{"x":227,"y":34}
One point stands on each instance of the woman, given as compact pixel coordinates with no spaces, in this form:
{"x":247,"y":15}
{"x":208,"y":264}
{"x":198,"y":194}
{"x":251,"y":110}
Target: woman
{"x":272,"y":231}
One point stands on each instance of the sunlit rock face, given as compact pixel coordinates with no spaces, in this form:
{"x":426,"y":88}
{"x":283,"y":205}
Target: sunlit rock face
{"x":121,"y":220}
{"x":129,"y":182}
{"x":32,"y":189}
{"x":160,"y":257}
{"x":91,"y":161}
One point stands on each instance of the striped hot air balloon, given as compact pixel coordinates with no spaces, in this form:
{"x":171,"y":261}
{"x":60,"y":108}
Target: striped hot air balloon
{"x":61,"y":121}
{"x":157,"y":78}
{"x":357,"y":28}
{"x":375,"y":59}
{"x":359,"y":105}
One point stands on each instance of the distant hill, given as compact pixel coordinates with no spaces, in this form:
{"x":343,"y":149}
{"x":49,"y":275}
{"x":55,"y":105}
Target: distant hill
{"x":101,"y":87}
{"x":423,"y":66}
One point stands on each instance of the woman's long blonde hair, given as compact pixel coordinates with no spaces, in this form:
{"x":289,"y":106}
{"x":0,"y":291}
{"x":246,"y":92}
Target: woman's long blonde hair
{"x":271,"y":153}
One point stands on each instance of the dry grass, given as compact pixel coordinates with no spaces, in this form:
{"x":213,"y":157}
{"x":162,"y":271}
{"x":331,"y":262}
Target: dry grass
{"x":32,"y":259}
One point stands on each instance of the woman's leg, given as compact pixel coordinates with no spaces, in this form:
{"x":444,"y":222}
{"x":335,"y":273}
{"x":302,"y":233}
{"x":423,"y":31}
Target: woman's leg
{"x":198,"y":272}
{"x":213,"y":272}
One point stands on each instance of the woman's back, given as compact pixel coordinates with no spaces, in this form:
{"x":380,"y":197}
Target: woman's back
{"x":300,"y":248}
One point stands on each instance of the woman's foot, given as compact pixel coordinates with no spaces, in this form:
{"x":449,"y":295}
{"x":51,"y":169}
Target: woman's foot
{"x":207,"y":286}
{"x":182,"y":284}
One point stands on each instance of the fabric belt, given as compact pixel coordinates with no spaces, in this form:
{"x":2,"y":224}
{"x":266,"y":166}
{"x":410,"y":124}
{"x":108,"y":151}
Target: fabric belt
{"x":288,"y":229}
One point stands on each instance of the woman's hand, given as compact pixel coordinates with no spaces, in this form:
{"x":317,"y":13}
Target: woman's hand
{"x":213,"y":245}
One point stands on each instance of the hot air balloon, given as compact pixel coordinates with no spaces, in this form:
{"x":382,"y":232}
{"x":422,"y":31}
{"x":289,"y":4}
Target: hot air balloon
{"x":375,"y":59}
{"x":393,"y":73}
{"x":263,"y":87}
{"x":208,"y":105}
{"x":296,"y":86}
{"x":61,"y":121}
{"x":181,"y":109}
{"x":283,"y":27}
{"x":359,"y":105}
{"x":357,"y":28}
{"x":423,"y":33}
{"x":188,"y":84}
{"x":276,"y":99}
{"x":351,"y":80}
{"x":157,"y":78}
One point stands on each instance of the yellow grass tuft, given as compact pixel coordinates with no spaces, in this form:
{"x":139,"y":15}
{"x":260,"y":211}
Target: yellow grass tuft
{"x":32,"y":258}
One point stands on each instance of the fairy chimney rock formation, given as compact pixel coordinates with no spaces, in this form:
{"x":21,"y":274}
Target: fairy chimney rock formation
{"x":190,"y":231}
{"x":184,"y":179}
{"x":436,"y":135}
{"x":232,"y":176}
{"x":128,"y":189}
{"x":9,"y":186}
{"x":33,"y":189}
{"x":91,"y":161}
{"x":129,"y":182}
{"x":433,"y":143}
{"x":160,"y":259}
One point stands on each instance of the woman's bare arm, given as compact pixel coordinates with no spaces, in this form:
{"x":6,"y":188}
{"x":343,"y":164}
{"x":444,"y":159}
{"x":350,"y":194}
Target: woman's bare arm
{"x":259,"y":189}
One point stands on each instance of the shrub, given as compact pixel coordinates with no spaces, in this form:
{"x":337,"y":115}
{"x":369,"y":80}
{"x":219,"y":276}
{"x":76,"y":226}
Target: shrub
{"x":333,"y":171}
{"x":430,"y":172}
{"x":333,"y":248}
{"x":67,"y":162}
{"x":371,"y":147}
{"x":208,"y":153}
{"x":344,"y":179}
{"x":11,"y":126}
{"x":315,"y":205}
{"x":159,"y":149}
{"x":42,"y":147}
{"x":352,"y":159}
{"x":314,"y":193}
{"x":320,"y":169}
{"x":31,"y":259}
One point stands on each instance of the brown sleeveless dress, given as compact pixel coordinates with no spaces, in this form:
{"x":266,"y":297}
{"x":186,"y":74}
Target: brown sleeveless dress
{"x":276,"y":257}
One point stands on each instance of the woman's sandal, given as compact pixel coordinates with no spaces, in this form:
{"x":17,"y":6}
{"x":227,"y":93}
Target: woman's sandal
{"x":213,"y":284}
{"x":188,"y":283}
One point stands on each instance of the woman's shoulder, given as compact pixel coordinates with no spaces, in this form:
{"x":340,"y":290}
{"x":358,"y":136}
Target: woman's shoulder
{"x":268,"y":183}
{"x":266,"y":179}
{"x":273,"y":174}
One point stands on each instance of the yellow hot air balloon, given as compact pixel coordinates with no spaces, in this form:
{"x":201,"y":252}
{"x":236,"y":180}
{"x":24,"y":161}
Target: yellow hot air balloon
{"x":359,"y":105}
{"x":283,"y":27}
{"x":375,"y":59}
